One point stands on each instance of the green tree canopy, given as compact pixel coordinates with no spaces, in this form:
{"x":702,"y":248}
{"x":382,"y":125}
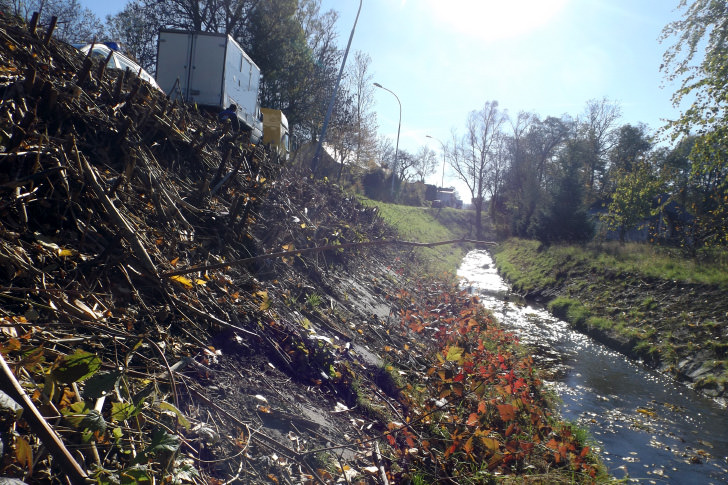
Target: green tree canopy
{"x":698,"y":59}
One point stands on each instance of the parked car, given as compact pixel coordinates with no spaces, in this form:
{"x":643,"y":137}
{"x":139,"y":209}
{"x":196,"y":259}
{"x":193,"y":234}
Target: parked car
{"x":119,"y":61}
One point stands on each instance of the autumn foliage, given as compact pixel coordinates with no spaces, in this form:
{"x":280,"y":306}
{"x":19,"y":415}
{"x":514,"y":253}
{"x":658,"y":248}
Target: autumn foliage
{"x":481,"y":410}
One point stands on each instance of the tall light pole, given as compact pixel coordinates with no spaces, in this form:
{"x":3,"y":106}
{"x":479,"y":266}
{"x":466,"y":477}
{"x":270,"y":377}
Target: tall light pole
{"x":442,"y":182}
{"x":399,"y":125}
{"x":330,"y":108}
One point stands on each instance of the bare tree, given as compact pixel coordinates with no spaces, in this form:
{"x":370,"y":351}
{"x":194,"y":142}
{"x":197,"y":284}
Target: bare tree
{"x":405,"y":165}
{"x":385,"y":152}
{"x":476,"y":156}
{"x":597,"y":126}
{"x":137,"y":27}
{"x":361,"y":86}
{"x":75,"y":24}
{"x":425,"y":162}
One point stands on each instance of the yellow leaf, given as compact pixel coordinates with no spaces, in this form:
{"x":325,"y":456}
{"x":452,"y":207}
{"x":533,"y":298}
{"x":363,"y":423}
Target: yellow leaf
{"x":454,"y":354}
{"x":65,"y":252}
{"x":200,"y":282}
{"x":186,"y":282}
{"x":468,"y":447}
{"x":303,"y":225}
{"x":490,"y":443}
{"x":174,"y":262}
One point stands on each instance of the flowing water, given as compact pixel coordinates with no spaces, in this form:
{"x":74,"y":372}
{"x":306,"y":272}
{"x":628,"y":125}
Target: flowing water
{"x":646,"y":426}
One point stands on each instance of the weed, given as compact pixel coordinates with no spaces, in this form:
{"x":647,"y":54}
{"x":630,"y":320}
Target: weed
{"x":314,"y":300}
{"x":599,"y":322}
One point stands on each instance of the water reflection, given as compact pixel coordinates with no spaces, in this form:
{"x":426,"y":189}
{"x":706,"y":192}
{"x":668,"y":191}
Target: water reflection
{"x":647,"y":427}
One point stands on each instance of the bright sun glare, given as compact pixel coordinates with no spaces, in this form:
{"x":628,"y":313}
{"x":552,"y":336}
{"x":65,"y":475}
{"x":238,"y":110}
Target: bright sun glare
{"x":495,"y":19}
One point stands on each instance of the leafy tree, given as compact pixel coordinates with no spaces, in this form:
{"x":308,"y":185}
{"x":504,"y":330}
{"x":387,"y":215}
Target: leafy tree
{"x":633,"y":143}
{"x":532,"y":147}
{"x":632,"y":201}
{"x":564,"y":216}
{"x":709,"y":182}
{"x":703,"y":79}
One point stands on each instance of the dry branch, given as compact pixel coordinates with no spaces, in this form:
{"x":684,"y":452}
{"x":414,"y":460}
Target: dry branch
{"x":38,"y":424}
{"x":319,"y":249}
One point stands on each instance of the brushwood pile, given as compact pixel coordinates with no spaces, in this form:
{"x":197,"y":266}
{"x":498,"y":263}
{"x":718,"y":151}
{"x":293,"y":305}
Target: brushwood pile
{"x":147,"y":335}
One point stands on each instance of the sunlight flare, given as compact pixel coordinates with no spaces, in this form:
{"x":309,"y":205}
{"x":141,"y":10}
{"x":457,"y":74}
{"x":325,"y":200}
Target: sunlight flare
{"x":494,"y":19}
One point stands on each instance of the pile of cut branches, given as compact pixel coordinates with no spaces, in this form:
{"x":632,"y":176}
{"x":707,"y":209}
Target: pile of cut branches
{"x":106,"y":187}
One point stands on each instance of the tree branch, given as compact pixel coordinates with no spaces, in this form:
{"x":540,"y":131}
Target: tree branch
{"x":330,"y":247}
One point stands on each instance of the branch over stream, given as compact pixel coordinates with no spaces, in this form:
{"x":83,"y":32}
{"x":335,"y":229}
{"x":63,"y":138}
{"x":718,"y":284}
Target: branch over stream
{"x":318,"y":249}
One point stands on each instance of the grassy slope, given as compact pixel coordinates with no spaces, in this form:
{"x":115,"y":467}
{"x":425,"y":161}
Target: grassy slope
{"x":644,"y":301}
{"x":431,"y":225}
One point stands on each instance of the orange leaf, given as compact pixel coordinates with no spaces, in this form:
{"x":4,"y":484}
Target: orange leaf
{"x":481,"y":407}
{"x":507,"y":412}
{"x":472,"y":419}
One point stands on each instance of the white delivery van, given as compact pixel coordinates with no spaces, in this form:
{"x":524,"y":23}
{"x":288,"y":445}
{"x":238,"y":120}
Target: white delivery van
{"x":211,"y":70}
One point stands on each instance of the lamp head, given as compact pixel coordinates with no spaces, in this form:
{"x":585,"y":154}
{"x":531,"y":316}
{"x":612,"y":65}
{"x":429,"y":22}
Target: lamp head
{"x":378,"y":85}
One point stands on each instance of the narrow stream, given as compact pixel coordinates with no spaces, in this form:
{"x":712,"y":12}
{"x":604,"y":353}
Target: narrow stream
{"x":647,"y":427}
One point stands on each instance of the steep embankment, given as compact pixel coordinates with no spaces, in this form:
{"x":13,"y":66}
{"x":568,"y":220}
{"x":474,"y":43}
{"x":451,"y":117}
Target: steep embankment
{"x":679,"y":325}
{"x":158,"y":324}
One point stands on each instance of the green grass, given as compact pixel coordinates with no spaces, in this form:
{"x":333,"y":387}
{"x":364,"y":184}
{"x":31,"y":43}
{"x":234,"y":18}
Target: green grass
{"x":423,"y":224}
{"x":646,"y":260}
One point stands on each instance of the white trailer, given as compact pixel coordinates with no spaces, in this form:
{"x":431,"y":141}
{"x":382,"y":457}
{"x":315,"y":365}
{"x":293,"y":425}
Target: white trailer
{"x":211,"y":70}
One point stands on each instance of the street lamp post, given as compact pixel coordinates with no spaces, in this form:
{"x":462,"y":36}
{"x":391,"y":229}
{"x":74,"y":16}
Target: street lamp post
{"x":317,"y":154}
{"x":442,"y":181}
{"x":399,"y":125}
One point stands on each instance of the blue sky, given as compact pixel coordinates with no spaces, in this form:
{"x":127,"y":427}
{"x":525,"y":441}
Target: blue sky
{"x":444,"y":59}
